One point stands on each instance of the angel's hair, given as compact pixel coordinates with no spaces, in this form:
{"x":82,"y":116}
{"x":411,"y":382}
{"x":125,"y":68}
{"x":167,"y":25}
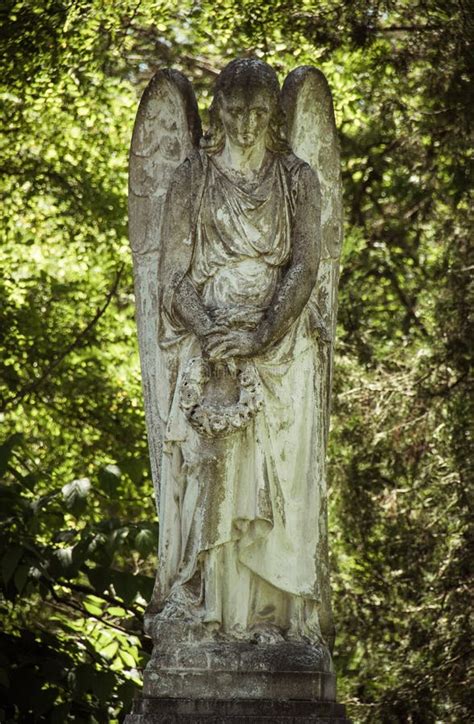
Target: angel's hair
{"x":242,"y":73}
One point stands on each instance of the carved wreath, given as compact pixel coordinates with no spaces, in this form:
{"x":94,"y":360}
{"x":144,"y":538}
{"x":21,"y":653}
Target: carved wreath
{"x":218,"y":420}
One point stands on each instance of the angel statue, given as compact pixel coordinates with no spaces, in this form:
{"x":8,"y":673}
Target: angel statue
{"x":236,"y":237}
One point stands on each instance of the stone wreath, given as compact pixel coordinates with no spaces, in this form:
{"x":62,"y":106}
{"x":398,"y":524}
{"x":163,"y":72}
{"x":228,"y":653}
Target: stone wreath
{"x":218,"y":420}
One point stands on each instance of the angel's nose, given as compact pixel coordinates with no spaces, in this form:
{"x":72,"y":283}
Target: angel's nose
{"x":248,"y":122}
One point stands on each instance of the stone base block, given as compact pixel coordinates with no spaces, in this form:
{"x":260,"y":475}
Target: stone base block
{"x":148,"y":710}
{"x":220,"y":670}
{"x":315,"y":686}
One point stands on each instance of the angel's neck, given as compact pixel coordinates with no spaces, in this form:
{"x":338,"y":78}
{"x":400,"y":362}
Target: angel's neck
{"x":242,"y":160}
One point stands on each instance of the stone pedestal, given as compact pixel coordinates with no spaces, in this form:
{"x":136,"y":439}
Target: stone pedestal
{"x":193,"y":679}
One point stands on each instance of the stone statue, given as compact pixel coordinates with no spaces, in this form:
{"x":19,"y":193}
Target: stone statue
{"x":236,"y":237}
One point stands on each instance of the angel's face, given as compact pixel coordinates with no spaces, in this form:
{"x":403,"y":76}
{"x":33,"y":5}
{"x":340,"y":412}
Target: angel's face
{"x":246,"y":114}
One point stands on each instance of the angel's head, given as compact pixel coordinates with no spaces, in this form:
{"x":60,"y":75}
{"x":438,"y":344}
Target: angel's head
{"x":246,"y":107}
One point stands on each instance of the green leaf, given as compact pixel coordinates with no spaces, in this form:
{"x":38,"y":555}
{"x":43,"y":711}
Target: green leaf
{"x":109,"y":479}
{"x":6,"y":449}
{"x":75,"y":494}
{"x":116,"y":611}
{"x":92,"y":608}
{"x":127,"y":659}
{"x":20,"y":577}
{"x":10,"y":561}
{"x":145,"y":541}
{"x":109,"y":651}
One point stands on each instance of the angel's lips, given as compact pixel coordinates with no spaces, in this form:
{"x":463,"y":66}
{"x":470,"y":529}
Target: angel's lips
{"x":246,"y":139}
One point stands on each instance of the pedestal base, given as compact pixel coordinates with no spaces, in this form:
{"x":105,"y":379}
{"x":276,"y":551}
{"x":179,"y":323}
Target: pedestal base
{"x":236,"y":711}
{"x":194,"y":678}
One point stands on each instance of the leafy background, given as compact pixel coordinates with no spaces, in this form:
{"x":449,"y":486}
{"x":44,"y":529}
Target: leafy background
{"x":78,"y":527}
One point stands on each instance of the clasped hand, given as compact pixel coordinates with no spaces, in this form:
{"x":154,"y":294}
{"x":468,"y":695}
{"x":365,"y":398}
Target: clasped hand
{"x":223,"y":343}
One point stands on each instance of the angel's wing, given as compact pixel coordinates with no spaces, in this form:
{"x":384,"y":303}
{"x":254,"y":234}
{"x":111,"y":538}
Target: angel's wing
{"x":312,"y":134}
{"x":167,"y":128}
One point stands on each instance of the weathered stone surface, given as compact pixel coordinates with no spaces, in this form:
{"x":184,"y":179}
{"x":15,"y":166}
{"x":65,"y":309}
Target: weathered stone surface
{"x":239,"y":669}
{"x":179,"y":653}
{"x":242,"y":684}
{"x":236,"y":249}
{"x":236,"y":711}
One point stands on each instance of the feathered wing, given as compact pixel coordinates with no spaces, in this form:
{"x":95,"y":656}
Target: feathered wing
{"x":312,"y":134}
{"x":167,"y":129}
{"x":313,"y":137}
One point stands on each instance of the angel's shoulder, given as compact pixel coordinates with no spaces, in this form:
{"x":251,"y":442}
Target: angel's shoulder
{"x":189,"y":172}
{"x":295,"y":166}
{"x":300,"y":173}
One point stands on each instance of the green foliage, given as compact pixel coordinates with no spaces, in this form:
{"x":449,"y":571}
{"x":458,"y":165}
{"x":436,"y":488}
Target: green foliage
{"x":77,"y":523}
{"x":74,"y":579}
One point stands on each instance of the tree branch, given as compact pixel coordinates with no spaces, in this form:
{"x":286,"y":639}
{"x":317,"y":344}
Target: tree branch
{"x":32,"y":386}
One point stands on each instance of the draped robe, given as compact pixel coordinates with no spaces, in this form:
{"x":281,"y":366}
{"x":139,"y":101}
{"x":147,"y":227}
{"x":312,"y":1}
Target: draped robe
{"x":242,"y":518}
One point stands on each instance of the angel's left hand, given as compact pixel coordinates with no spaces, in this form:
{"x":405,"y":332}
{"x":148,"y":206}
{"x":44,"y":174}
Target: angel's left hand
{"x":235,"y":344}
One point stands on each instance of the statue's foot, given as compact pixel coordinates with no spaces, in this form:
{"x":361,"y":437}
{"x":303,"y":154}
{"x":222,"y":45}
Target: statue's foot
{"x":181,"y":605}
{"x":266,"y":633}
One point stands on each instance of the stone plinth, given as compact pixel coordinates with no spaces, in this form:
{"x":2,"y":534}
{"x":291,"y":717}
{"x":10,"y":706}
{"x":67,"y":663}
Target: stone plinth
{"x":237,"y":711}
{"x":216,"y":669}
{"x":189,"y":679}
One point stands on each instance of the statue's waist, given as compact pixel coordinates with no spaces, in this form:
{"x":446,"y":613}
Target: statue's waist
{"x":247,"y":282}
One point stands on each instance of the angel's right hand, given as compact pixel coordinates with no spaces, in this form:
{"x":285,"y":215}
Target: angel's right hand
{"x":215,"y":334}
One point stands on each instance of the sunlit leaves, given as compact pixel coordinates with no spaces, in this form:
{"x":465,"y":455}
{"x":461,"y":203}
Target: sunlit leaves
{"x":58,"y":563}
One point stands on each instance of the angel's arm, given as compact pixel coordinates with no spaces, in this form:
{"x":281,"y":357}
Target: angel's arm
{"x":190,"y":309}
{"x":182,"y":300}
{"x":299,"y":279}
